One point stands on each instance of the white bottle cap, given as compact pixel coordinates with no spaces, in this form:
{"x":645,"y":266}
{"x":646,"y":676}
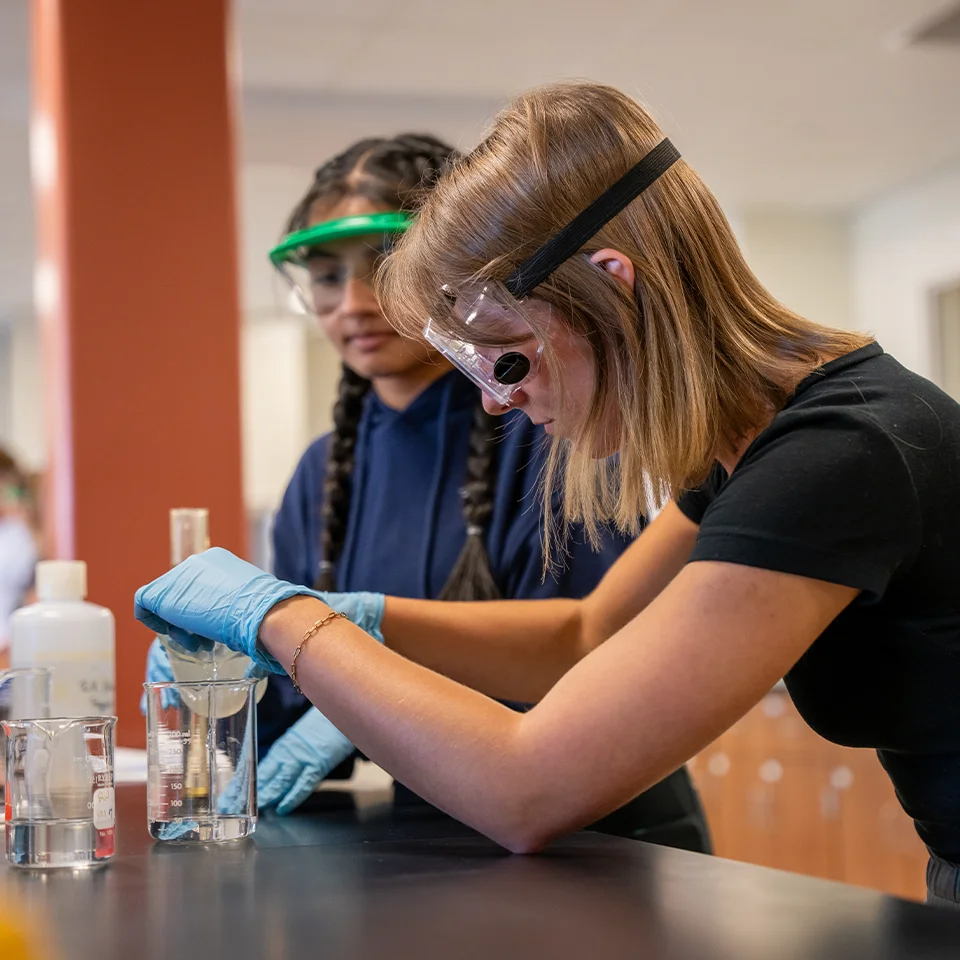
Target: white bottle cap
{"x":61,"y":580}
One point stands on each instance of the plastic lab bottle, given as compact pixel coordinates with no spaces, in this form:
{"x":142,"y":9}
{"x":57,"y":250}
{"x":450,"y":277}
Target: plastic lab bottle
{"x":74,"y":639}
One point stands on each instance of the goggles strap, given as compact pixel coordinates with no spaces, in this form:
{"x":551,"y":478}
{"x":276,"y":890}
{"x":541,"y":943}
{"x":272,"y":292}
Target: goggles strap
{"x":564,"y":244}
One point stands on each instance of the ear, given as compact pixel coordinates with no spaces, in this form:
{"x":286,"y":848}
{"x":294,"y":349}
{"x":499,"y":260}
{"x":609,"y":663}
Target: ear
{"x":617,"y":264}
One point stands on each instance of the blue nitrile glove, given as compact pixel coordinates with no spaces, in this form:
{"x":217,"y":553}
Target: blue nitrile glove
{"x":297,"y":763}
{"x":362,"y":608}
{"x":158,"y":663}
{"x":158,"y":670}
{"x":215,"y":596}
{"x":175,"y":830}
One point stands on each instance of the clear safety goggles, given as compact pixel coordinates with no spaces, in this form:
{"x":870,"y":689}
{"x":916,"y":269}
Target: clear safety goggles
{"x":500,"y":352}
{"x":493,"y":314}
{"x":318,"y":274}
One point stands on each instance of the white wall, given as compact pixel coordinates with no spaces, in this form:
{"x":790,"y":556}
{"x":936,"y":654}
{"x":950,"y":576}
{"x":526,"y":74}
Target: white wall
{"x":274,"y":392}
{"x":21,"y":393}
{"x":804,"y":258}
{"x":268,"y":193}
{"x":6,"y":375}
{"x":27,"y":407}
{"x":906,"y":245}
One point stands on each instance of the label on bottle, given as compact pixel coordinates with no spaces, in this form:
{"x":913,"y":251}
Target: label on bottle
{"x":104,"y":815}
{"x":82,"y":688}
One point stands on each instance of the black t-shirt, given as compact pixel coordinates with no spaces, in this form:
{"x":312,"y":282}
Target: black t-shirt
{"x":857,"y":482}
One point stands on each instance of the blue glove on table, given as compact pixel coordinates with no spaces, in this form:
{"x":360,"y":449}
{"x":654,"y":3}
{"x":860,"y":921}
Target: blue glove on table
{"x":215,"y":596}
{"x":297,"y":763}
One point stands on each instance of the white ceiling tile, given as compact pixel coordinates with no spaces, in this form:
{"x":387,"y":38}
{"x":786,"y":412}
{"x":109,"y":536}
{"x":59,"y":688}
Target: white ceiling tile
{"x":317,"y":12}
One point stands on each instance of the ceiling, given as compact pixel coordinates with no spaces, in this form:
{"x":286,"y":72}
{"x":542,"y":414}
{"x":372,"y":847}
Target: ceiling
{"x":806,"y":102}
{"x":811,"y":102}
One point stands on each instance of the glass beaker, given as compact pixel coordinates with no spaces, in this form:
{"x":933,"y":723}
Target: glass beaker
{"x":201,"y":760}
{"x":60,"y":791}
{"x":24,"y":695}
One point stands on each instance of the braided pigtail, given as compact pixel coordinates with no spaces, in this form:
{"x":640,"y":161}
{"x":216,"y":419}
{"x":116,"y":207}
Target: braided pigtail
{"x":341,"y":453}
{"x":471,"y":577}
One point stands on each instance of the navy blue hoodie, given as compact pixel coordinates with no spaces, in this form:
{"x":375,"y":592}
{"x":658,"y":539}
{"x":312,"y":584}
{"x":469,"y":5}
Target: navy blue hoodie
{"x":406,"y":528}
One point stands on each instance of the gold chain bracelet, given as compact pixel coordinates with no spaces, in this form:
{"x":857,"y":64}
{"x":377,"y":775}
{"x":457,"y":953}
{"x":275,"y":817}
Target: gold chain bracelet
{"x":296,"y":653}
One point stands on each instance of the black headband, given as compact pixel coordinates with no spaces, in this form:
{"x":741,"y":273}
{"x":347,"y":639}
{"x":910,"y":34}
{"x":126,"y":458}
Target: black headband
{"x":563,"y":245}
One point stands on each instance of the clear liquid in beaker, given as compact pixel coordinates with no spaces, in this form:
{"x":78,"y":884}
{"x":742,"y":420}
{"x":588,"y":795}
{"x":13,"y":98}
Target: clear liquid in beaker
{"x":56,"y":843}
{"x":201,"y":760}
{"x":60,"y":801}
{"x":202,"y":829}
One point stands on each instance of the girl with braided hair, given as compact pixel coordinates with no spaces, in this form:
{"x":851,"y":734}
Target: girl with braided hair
{"x":417,"y":491}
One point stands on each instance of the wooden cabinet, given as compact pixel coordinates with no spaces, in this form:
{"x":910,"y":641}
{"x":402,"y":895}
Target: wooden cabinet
{"x":779,"y":795}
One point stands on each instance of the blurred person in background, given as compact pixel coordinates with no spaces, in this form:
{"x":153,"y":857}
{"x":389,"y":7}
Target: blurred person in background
{"x":417,"y":491}
{"x":18,"y":544}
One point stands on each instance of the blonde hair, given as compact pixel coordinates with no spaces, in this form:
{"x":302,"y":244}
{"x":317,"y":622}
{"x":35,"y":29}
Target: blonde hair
{"x":694,"y":358}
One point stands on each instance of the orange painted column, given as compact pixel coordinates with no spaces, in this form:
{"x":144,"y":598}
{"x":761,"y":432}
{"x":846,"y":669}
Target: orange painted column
{"x":137,"y":292}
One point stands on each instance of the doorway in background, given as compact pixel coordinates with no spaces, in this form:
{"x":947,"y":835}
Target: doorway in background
{"x":945,"y":338}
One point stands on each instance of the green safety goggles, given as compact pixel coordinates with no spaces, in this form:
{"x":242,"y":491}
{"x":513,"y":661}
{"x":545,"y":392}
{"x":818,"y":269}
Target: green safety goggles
{"x":318,"y":277}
